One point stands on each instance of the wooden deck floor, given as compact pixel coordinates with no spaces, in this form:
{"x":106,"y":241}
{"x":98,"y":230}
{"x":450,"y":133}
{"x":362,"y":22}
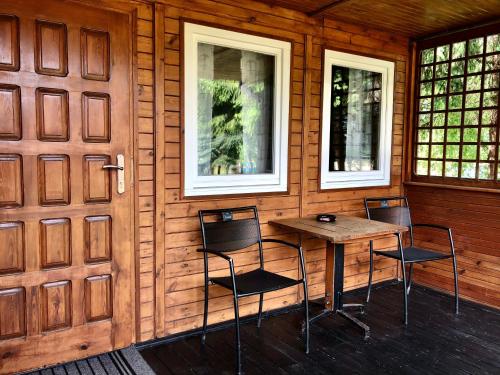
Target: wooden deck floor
{"x":435,"y":342}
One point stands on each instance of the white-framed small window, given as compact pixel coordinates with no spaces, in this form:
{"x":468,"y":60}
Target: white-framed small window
{"x":236,"y":104}
{"x":357,"y":115}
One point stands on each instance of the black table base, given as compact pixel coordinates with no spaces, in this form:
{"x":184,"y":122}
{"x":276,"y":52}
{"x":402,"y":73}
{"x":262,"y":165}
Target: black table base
{"x":339,"y":307}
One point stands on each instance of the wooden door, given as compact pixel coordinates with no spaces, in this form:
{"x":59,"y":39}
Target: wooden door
{"x":66,"y":249}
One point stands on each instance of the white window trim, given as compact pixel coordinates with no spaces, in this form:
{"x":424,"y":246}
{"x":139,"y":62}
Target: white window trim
{"x":195,"y":185}
{"x":341,"y":179}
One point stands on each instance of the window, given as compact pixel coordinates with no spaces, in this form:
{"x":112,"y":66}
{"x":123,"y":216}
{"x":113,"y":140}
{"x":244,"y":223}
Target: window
{"x":456,"y":123}
{"x":236,"y":112}
{"x":357,"y":121}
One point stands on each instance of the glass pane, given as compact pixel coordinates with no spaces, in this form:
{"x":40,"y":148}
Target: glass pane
{"x":457,"y":68}
{"x":442,"y":70}
{"x":492,"y":62}
{"x":454,"y":118}
{"x":486,"y":171}
{"x":456,"y":85}
{"x":436,"y":168}
{"x":425,"y":105}
{"x":423,"y":135}
{"x":455,"y":102}
{"x":468,"y":170}
{"x":472,"y":100}
{"x":490,"y":99}
{"x":423,"y":151}
{"x":451,"y":169}
{"x":469,"y":152}
{"x":458,"y":50}
{"x":438,"y":119}
{"x":437,"y":135}
{"x":440,"y":103}
{"x":470,"y":135}
{"x":452,"y":151}
{"x":473,"y":83}
{"x":355,"y":119}
{"x":443,"y":53}
{"x":493,"y":43}
{"x":488,"y":134}
{"x":424,"y":120}
{"x":426,"y":73}
{"x":489,"y":117}
{"x":235,"y":111}
{"x":475,"y":65}
{"x":440,"y":87}
{"x":491,"y":80}
{"x":471,"y":118}
{"x":437,"y":151}
{"x":476,"y":46}
{"x":422,"y":166}
{"x":453,"y":135}
{"x":428,"y":56}
{"x":426,"y":89}
{"x":487,"y":152}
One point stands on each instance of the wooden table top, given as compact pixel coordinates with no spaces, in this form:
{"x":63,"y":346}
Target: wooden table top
{"x":344,"y":229}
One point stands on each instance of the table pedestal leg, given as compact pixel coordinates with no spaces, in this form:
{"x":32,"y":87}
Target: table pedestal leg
{"x":335,"y":288}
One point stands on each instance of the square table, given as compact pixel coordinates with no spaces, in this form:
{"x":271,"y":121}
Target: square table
{"x":346,"y":229}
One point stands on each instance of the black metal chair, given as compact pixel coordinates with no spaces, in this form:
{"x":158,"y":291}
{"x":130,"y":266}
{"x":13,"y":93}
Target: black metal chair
{"x":226,"y":234}
{"x":379,"y":209}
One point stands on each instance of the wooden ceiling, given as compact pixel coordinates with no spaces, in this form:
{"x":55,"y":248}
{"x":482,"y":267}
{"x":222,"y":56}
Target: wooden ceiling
{"x":412,"y":18}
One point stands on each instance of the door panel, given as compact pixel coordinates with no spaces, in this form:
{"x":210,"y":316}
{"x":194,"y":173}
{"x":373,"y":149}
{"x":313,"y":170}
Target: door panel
{"x":66,"y":252}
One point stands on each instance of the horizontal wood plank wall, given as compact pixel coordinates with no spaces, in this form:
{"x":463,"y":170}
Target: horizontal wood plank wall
{"x":145,"y":161}
{"x":183,"y":266}
{"x":475,"y":220}
{"x":353,"y":39}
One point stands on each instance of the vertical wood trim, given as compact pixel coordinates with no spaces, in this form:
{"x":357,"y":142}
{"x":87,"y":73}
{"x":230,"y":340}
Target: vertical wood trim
{"x":135,"y":157}
{"x":159,"y":187}
{"x":306,"y":118}
{"x":409,"y":114}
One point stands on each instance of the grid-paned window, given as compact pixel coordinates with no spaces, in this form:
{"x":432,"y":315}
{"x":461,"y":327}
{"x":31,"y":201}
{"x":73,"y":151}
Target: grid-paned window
{"x":456,"y":117}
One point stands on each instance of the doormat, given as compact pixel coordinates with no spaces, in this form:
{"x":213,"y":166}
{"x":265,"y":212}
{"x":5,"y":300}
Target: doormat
{"x":127,"y":361}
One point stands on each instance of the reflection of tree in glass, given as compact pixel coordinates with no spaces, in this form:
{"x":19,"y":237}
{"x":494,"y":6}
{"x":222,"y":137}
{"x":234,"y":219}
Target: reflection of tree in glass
{"x":229,"y":138}
{"x":223,"y":148}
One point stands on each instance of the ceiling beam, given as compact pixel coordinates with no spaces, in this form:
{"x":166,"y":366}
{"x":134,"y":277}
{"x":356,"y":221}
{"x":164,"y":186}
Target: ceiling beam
{"x":324,"y":9}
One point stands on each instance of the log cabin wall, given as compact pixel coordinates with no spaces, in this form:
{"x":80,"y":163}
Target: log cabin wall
{"x":475,"y":219}
{"x":179,"y":269}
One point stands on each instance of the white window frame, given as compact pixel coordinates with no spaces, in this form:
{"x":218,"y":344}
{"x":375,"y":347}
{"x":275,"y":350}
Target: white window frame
{"x":195,"y":185}
{"x":342,"y":179}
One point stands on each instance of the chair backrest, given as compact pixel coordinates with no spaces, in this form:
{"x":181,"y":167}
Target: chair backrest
{"x":224,"y":232}
{"x":380,"y":209}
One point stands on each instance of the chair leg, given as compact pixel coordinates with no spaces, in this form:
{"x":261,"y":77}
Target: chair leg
{"x":405,"y":294}
{"x":370,"y":274}
{"x":455,"y":275}
{"x":409,"y":278}
{"x":205,"y":313}
{"x":306,"y":302}
{"x":261,"y":300}
{"x":237,"y":337}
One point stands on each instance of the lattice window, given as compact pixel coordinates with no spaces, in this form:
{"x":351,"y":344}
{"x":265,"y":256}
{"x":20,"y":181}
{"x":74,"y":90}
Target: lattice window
{"x":456,"y":136}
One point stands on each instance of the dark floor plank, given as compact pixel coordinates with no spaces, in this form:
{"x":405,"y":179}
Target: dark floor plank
{"x":435,"y":341}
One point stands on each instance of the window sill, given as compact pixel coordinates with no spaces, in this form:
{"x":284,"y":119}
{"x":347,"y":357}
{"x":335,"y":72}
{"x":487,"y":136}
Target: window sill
{"x":453,"y":187}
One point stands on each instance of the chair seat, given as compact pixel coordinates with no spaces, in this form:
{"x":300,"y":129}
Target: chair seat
{"x":414,"y":254}
{"x":256,"y":281}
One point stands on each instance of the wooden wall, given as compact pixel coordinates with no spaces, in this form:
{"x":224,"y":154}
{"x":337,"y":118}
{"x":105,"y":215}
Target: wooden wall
{"x":475,"y":219}
{"x":355,"y":39}
{"x":179,"y":283}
